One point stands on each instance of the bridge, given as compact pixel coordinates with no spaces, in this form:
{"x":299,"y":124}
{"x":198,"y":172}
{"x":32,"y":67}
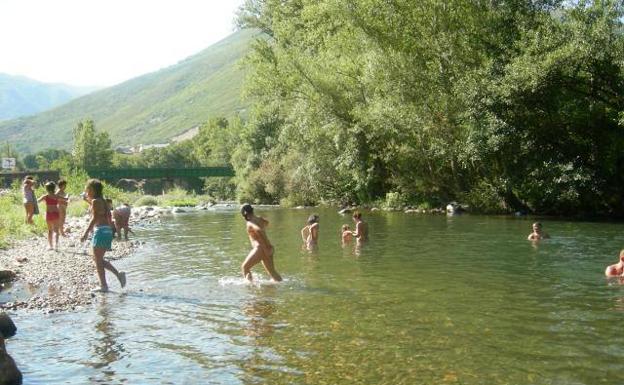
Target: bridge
{"x":160,"y":173}
{"x":7,"y":178}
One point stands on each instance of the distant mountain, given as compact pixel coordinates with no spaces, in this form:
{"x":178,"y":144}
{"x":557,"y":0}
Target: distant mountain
{"x":152,"y":108}
{"x":21,"y":96}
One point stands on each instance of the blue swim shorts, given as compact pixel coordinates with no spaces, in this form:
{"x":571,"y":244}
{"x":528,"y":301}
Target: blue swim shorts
{"x":102,"y":237}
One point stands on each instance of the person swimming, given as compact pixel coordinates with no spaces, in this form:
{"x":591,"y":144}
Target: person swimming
{"x":262,"y":250}
{"x":537,"y":233}
{"x":309,"y":233}
{"x":616,"y":270}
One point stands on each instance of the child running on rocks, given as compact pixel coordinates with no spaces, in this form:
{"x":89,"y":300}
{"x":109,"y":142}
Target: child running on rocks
{"x":62,"y":205}
{"x":102,"y":234}
{"x":262,"y":250}
{"x":52,"y":214}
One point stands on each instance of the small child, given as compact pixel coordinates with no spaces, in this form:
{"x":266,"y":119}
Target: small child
{"x":537,"y":233}
{"x":347,"y":234}
{"x":52,"y":213}
{"x":62,"y":205}
{"x":616,"y":270}
{"x":30,"y":201}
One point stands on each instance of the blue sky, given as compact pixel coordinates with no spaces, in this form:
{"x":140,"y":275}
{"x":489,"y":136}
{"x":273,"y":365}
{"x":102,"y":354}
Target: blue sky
{"x":101,"y":43}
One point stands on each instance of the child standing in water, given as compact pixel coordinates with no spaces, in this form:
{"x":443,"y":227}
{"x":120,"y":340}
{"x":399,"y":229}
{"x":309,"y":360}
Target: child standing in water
{"x":102,"y":234}
{"x":30,"y":203}
{"x":361,"y":228}
{"x":121,"y":215}
{"x":62,"y":205}
{"x":537,"y":233}
{"x":262,"y":250}
{"x":347,"y":234}
{"x":309,"y":233}
{"x":52,"y":214}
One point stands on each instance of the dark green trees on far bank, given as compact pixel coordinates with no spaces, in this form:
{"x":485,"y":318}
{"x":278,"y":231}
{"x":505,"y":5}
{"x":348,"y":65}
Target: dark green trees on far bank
{"x":505,"y":105}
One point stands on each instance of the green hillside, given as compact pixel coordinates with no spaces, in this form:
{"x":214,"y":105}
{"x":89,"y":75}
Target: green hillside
{"x":151,"y":108}
{"x":21,"y":96}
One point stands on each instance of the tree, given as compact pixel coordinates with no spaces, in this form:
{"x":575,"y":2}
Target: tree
{"x":91,"y":149}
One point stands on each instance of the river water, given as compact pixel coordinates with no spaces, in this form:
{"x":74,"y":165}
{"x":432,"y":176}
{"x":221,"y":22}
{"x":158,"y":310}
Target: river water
{"x":430,"y":300}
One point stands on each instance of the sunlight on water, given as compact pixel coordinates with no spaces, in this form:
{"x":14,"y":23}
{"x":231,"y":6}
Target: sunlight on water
{"x":430,"y":300}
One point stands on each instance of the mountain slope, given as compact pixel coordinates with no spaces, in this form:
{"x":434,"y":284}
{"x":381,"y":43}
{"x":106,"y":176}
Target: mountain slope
{"x":148,"y":109}
{"x":21,"y":96}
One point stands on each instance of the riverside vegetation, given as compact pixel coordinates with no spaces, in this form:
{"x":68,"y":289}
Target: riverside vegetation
{"x":504,"y":106}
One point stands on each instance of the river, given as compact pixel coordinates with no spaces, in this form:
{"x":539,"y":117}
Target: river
{"x":430,"y":300}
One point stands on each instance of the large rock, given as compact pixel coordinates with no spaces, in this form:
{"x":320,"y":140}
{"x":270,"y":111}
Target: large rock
{"x":6,"y":275}
{"x":9,"y":373}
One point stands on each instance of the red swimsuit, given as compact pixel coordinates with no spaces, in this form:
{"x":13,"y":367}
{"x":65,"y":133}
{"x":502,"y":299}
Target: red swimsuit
{"x":51,"y":216}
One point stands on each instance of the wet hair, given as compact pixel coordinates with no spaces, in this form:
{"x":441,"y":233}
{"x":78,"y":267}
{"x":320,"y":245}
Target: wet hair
{"x":97,"y":187}
{"x":357,"y":215}
{"x":314,"y":218}
{"x":61,"y":183}
{"x":50,"y":187}
{"x":538,"y":224}
{"x":345,"y":227}
{"x":246,"y":210}
{"x":622,"y":254}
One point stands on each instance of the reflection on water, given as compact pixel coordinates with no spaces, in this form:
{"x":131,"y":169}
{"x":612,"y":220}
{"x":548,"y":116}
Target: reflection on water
{"x":431,"y":300}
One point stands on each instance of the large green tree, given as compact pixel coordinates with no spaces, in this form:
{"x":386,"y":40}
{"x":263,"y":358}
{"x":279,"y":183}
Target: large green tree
{"x":91,"y":149}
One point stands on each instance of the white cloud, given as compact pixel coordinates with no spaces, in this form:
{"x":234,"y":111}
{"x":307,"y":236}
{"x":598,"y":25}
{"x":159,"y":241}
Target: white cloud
{"x":104,"y":42}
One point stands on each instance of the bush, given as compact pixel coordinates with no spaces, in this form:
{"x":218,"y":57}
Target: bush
{"x":146,"y":200}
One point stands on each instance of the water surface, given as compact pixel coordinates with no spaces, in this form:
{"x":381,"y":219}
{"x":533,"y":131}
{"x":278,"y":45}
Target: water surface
{"x":430,"y":300}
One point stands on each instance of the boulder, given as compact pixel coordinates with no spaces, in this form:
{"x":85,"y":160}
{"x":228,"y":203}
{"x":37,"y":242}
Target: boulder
{"x":345,"y":211}
{"x":177,"y":210}
{"x":7,"y":327}
{"x":6,"y":275}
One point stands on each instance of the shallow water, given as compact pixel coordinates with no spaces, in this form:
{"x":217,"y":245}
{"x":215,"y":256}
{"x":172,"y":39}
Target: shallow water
{"x":430,"y":300}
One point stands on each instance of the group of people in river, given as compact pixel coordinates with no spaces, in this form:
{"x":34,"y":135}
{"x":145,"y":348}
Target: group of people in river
{"x":106,"y":221}
{"x":262,"y":250}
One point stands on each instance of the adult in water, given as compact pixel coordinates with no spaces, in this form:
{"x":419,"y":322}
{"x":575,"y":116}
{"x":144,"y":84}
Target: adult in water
{"x":616,"y":270}
{"x":261,"y":248}
{"x":361,"y":228}
{"x":102,"y":235}
{"x":309,"y":233}
{"x":537,"y":233}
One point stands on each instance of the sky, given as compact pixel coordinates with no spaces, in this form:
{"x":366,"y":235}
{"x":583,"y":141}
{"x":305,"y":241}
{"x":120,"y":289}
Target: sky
{"x":104,"y":42}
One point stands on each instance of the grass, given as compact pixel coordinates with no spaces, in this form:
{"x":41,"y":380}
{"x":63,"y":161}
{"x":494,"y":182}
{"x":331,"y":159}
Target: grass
{"x":12,"y":225}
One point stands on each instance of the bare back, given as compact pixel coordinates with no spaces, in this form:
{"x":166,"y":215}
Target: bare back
{"x":99,"y":211}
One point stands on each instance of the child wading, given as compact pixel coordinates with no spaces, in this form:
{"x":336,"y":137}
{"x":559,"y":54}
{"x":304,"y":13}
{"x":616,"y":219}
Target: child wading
{"x":262,"y":250}
{"x":102,"y":234}
{"x":309,"y":233}
{"x":52,"y":214}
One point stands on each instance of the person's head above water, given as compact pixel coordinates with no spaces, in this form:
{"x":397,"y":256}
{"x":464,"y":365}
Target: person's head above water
{"x":312,"y":219}
{"x":537,"y":227}
{"x":246,"y":210}
{"x":345,"y":227}
{"x":622,"y":255}
{"x":357,"y":215}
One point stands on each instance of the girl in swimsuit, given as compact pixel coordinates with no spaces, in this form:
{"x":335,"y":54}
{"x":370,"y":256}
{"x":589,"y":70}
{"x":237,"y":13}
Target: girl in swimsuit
{"x":29,"y":199}
{"x":52,"y":213}
{"x":62,"y":205}
{"x":102,"y":234}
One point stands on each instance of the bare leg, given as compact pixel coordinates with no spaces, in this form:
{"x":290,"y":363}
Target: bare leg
{"x":253,"y":258}
{"x":267,"y":262}
{"x":57,"y":233}
{"x":125,"y":229}
{"x":30,"y":211}
{"x":50,"y":234}
{"x":62,"y":214}
{"x":98,"y":257}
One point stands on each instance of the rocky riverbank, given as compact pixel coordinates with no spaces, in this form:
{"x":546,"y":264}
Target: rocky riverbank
{"x":33,"y":277}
